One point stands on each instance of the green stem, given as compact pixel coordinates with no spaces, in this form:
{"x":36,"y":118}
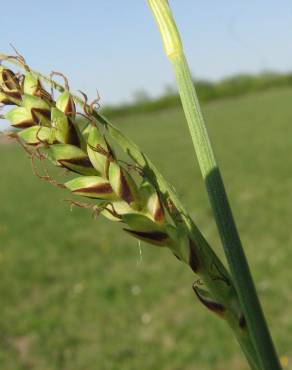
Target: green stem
{"x":223,"y":215}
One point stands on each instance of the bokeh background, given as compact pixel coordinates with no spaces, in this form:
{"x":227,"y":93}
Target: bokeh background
{"x":78,"y":294}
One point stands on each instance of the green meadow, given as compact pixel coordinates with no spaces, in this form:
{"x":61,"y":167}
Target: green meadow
{"x":79,"y":294}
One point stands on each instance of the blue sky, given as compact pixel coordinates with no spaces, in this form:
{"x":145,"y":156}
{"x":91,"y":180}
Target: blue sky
{"x":114,"y":46}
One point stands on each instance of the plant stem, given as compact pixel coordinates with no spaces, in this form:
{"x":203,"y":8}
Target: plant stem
{"x":217,"y":195}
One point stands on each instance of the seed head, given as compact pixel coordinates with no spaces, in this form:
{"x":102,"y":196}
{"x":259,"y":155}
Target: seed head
{"x":56,"y":130}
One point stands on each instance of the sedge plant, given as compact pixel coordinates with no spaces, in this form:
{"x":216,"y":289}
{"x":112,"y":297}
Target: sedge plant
{"x":118,"y":181}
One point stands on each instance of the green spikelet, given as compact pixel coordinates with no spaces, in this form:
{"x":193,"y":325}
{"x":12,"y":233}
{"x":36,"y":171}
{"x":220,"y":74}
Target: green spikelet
{"x":145,"y":229}
{"x":151,"y":202}
{"x":65,"y":103}
{"x":70,"y":157}
{"x":20,"y":117}
{"x":39,"y":108}
{"x":116,"y":210}
{"x":92,"y":187}
{"x":37,"y":135}
{"x":31,"y":84}
{"x":66,"y":132}
{"x":98,"y":151}
{"x":122,"y":184}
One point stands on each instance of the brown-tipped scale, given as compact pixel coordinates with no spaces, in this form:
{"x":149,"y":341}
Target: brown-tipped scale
{"x":20,"y":117}
{"x":70,"y":157}
{"x":66,"y":104}
{"x":8,"y":80}
{"x":122,"y":183}
{"x":151,"y":202}
{"x":145,"y":229}
{"x":37,"y":135}
{"x":65,"y":131}
{"x":39,"y":108}
{"x":91,"y":187}
{"x":10,"y":90}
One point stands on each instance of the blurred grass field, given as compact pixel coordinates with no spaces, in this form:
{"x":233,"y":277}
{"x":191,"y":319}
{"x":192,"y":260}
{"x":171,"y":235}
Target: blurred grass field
{"x":78,"y":294}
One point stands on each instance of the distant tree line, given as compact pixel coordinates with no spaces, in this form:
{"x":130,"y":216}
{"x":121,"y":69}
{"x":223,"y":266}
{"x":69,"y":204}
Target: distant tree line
{"x":228,"y":87}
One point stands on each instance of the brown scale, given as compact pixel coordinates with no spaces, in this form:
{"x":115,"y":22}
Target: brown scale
{"x":73,"y":135}
{"x":10,"y":80}
{"x":213,"y":306}
{"x":10,"y":94}
{"x":81,"y":161}
{"x":194,"y":260}
{"x":100,"y":189}
{"x":156,"y":237}
{"x":124,"y":189}
{"x":159,"y":212}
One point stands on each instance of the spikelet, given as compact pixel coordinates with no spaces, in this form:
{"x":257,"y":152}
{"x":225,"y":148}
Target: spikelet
{"x":65,"y":103}
{"x":98,"y":150}
{"x":70,"y":157}
{"x":92,"y":187}
{"x":151,"y":202}
{"x":122,"y":183}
